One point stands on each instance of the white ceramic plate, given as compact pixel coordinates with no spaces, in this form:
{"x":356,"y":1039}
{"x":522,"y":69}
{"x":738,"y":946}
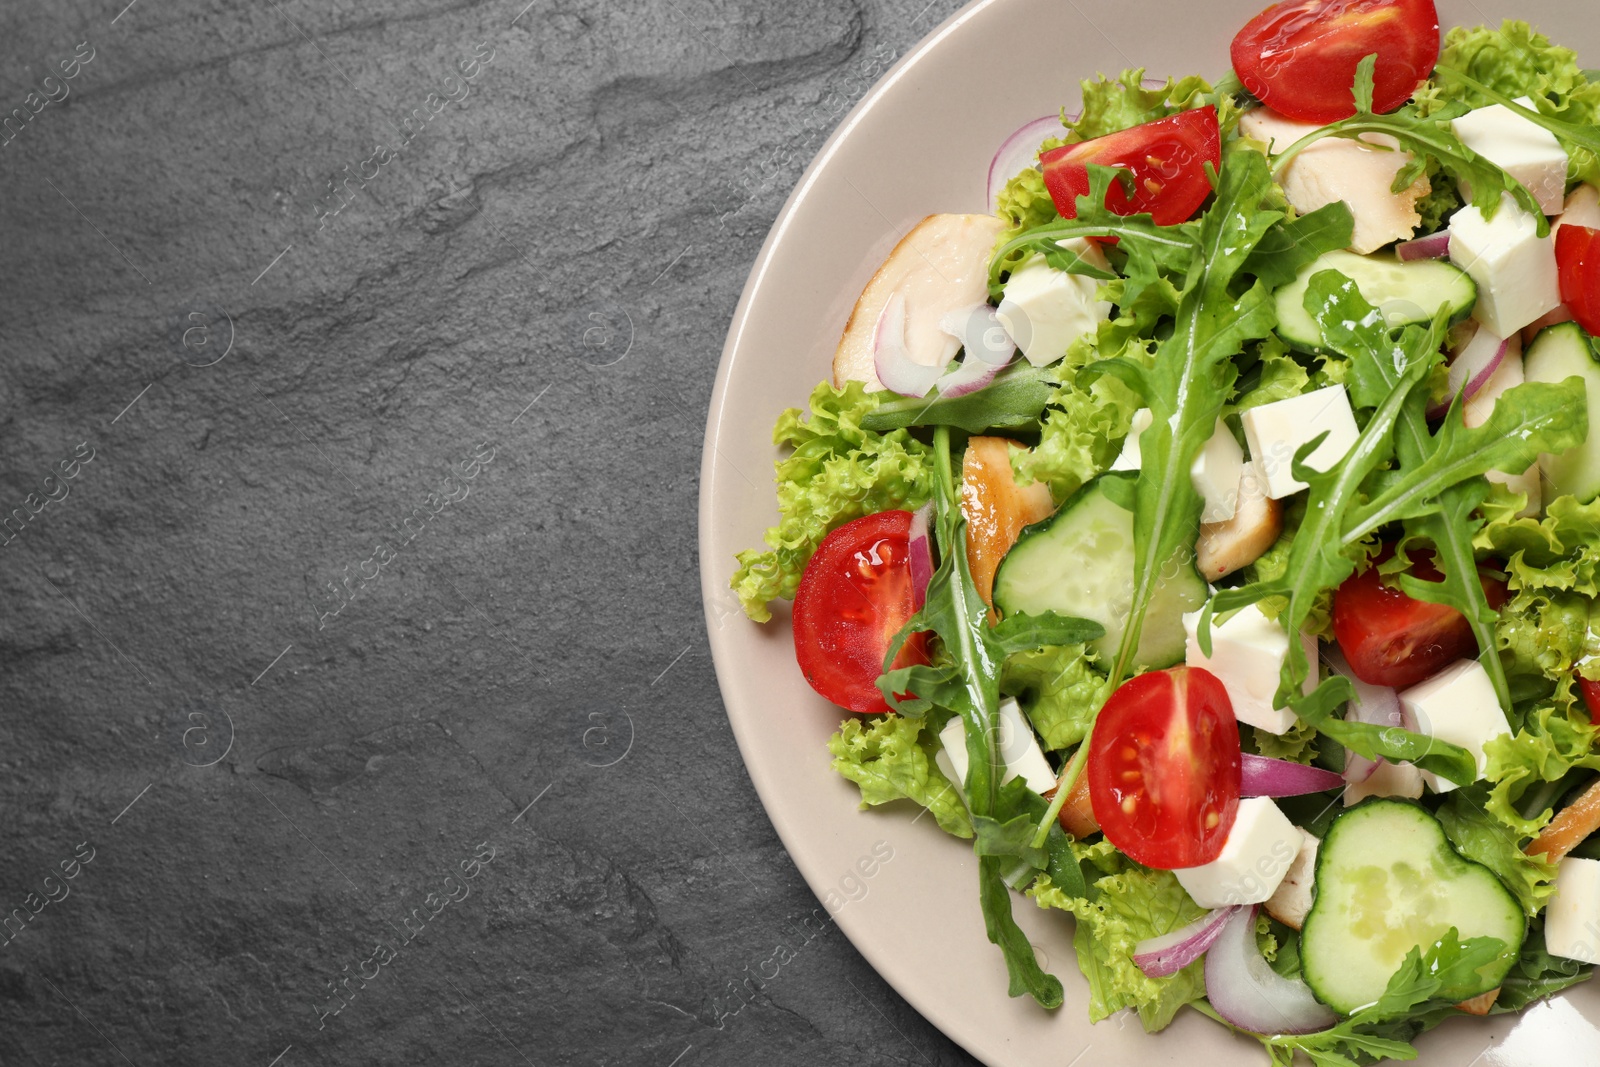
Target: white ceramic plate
{"x":920,"y":143}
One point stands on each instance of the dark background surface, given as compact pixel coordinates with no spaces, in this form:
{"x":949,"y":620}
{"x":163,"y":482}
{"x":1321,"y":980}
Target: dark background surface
{"x":355,"y":699}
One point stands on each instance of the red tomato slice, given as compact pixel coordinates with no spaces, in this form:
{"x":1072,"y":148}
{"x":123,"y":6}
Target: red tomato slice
{"x":1578,"y":261}
{"x":1300,"y":57}
{"x":854,"y":596}
{"x":1590,"y":692}
{"x":1163,"y":768}
{"x":1390,"y":639}
{"x":1166,"y":159}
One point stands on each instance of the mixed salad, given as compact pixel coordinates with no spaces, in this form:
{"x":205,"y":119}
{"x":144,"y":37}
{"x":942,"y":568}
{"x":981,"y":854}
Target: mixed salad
{"x":1211,"y":534}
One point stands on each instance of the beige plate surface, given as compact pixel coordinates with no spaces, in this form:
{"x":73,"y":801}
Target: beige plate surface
{"x":919,"y":143}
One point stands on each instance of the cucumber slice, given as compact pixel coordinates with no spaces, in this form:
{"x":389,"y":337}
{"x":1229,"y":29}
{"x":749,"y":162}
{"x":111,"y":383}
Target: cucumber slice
{"x":1558,"y":353}
{"x":1406,"y":292}
{"x":1387,"y":882}
{"x":1079,"y":562}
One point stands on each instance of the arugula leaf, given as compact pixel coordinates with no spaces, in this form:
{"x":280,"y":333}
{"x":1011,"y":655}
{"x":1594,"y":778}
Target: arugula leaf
{"x":1013,"y":400}
{"x":1279,"y":257}
{"x":1528,"y":419}
{"x":1024,"y":633}
{"x":1422,"y":994}
{"x":1482,"y":838}
{"x":968,"y":684}
{"x":1193,"y":373}
{"x":1425,"y":138}
{"x":1385,"y":371}
{"x":1437,"y":482}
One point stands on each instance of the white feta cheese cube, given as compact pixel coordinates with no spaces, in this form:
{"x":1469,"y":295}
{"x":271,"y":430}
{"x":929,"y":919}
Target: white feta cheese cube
{"x":1389,"y":780}
{"x":1337,"y":168}
{"x":1016,"y":746}
{"x":1129,"y":458}
{"x":1044,"y":310}
{"x":1572,"y":918}
{"x":1276,"y":431}
{"x":1291,"y":901}
{"x":1476,"y":412}
{"x":1020,"y":751}
{"x":1519,"y":146}
{"x":1514,"y":268}
{"x":1216,"y":473}
{"x":1247,"y":654}
{"x":1260,"y":849}
{"x":1457,"y":705}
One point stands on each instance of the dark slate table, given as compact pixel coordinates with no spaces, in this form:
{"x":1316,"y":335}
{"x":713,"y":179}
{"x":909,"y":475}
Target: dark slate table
{"x":355,"y":700}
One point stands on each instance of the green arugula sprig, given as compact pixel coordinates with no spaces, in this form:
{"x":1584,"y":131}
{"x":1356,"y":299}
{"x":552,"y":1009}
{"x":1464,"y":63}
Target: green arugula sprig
{"x":1013,"y":400}
{"x":1436,"y":481}
{"x":967,"y":681}
{"x":1422,"y":993}
{"x":1423,"y":138}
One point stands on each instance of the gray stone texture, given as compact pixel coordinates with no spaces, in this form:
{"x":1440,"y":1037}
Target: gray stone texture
{"x":386,"y":532}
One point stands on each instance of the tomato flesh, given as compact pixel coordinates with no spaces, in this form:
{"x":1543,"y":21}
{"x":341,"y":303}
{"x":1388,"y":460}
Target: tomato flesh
{"x":1165,"y":160}
{"x":1163,"y":768}
{"x":1590,"y":692}
{"x":1578,"y":263}
{"x":1394,"y":640}
{"x":1300,"y":57}
{"x":854,"y":596}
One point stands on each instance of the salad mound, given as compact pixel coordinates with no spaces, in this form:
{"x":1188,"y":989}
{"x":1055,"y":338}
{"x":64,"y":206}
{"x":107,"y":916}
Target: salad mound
{"x":1211,"y":534}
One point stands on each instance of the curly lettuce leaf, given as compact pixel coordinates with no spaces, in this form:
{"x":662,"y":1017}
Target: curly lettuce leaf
{"x":1548,"y":746}
{"x":1483,"y":838}
{"x":891,"y":758}
{"x":1060,"y":692}
{"x":837,"y":472}
{"x":1113,"y":104}
{"x":1083,"y":426}
{"x":1550,"y":627}
{"x":1518,"y":61}
{"x":1122,"y":909}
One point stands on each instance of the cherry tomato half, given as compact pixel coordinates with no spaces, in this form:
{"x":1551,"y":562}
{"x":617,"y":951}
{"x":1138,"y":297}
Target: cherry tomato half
{"x":1578,"y":261}
{"x":1166,"y":159}
{"x":1590,"y":691}
{"x":1391,"y":639}
{"x":1300,"y":56}
{"x":1164,"y":768}
{"x":854,"y":596}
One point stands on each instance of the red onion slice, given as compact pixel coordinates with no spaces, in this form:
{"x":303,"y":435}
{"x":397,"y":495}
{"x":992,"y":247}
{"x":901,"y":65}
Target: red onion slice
{"x":981,"y":335}
{"x":1375,"y":704}
{"x":921,"y":555}
{"x":969,"y":377}
{"x":1476,"y":363}
{"x":1168,"y":954}
{"x":895,"y":367}
{"x":1018,"y":152}
{"x":1246,"y":991}
{"x":1260,"y":776}
{"x":1433,"y":246}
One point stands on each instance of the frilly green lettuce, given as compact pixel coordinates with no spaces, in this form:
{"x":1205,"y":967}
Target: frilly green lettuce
{"x":891,"y":758}
{"x":837,"y":472}
{"x":1127,"y":904}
